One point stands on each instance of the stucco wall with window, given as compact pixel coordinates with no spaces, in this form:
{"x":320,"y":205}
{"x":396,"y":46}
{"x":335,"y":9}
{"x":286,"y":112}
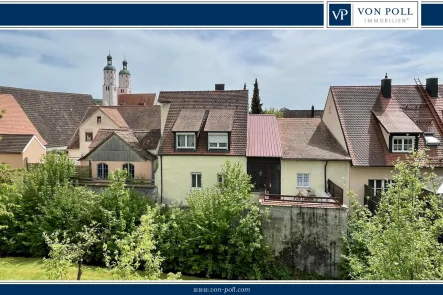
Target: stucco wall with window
{"x":336,"y":171}
{"x":177,"y":174}
{"x":360,"y":176}
{"x":141,"y":169}
{"x":14,"y":160}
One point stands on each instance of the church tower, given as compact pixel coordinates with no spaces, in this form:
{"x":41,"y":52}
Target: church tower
{"x":109,"y":84}
{"x":124,"y":82}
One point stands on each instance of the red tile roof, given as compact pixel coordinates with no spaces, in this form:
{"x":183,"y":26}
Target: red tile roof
{"x":308,"y":139}
{"x":189,"y":120}
{"x":15,"y":121}
{"x":356,"y":106}
{"x":115,"y":116}
{"x":147,"y":99}
{"x":396,"y":121}
{"x":234,"y":100}
{"x":263,"y":137}
{"x":219,"y":121}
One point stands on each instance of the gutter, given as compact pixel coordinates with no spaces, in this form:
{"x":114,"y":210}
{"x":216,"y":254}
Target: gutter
{"x":326,"y":183}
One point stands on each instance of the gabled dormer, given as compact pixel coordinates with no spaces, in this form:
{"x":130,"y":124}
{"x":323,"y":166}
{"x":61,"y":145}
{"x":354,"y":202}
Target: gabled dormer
{"x":399,"y":131}
{"x":187,"y":128}
{"x":219,"y":127}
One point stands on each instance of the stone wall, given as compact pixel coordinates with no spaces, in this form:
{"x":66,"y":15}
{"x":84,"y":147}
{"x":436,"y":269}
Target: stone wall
{"x":307,"y":239}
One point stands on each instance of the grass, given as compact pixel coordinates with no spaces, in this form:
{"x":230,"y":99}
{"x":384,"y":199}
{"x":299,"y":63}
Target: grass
{"x":20,"y":268}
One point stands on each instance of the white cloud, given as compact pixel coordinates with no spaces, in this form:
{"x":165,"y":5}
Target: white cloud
{"x":294,"y":68}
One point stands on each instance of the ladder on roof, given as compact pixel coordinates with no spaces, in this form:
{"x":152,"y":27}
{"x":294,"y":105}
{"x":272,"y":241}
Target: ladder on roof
{"x":428,"y":101}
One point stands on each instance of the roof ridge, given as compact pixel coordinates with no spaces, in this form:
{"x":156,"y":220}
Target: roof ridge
{"x":28,"y":89}
{"x":178,"y":91}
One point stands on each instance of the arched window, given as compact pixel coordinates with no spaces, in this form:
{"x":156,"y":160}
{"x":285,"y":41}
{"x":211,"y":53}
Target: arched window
{"x":130,"y":169}
{"x":102,"y":170}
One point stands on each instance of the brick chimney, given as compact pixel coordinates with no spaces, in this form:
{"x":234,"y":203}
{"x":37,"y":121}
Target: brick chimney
{"x":312,"y":112}
{"x":432,"y":87}
{"x":386,"y":86}
{"x":219,"y":86}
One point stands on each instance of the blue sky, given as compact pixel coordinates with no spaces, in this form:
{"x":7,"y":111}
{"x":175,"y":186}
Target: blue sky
{"x":294,"y":68}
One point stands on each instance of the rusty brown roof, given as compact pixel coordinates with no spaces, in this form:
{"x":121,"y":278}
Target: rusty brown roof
{"x":396,"y":121}
{"x":100,"y":136}
{"x":308,"y":139}
{"x":15,"y":120}
{"x":147,"y":99}
{"x":189,"y":120}
{"x":234,"y":100}
{"x":263,"y":137}
{"x":367,"y":147}
{"x":115,"y":116}
{"x":219,"y":121}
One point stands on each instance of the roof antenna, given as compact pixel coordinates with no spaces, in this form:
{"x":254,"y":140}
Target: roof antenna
{"x":386,"y":76}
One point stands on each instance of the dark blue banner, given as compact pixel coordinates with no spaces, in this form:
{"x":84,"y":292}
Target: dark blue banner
{"x":432,"y":15}
{"x":220,"y":288}
{"x":164,"y":15}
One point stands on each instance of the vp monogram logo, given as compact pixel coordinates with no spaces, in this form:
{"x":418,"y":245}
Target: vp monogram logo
{"x":341,"y":13}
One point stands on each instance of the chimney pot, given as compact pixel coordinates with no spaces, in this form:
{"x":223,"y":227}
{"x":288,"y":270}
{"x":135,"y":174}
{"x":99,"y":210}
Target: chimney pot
{"x":432,"y":87}
{"x":312,"y":112}
{"x":219,"y":86}
{"x":386,"y":86}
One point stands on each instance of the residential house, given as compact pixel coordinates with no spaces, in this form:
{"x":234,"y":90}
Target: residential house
{"x":111,"y":137}
{"x":200,"y":131}
{"x":20,"y":142}
{"x":55,"y":115}
{"x":292,"y":158}
{"x":377,"y":125}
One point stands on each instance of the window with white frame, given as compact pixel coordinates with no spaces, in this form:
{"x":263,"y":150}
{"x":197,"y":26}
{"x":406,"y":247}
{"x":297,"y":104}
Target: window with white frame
{"x":402,"y":144}
{"x":303,"y":180}
{"x":218,"y":141}
{"x":185,"y":140}
{"x":377,"y":185}
{"x":196,"y":180}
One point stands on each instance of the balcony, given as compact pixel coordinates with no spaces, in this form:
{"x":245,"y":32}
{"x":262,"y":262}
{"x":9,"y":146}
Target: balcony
{"x":333,"y":197}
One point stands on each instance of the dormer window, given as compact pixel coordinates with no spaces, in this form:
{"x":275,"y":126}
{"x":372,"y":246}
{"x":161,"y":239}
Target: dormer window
{"x":402,"y":144}
{"x":218,"y":141}
{"x":185,"y":140}
{"x":431,"y":140}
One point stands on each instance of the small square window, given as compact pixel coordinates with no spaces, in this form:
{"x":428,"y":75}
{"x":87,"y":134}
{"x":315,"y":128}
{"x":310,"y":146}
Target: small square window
{"x":218,"y":141}
{"x":88,"y":136}
{"x":99,"y":119}
{"x":185,"y":141}
{"x":304,"y":180}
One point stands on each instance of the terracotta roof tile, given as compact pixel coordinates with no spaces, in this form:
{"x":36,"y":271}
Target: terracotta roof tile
{"x":14,"y":143}
{"x":15,"y":120}
{"x":263,"y":137}
{"x":115,"y":116}
{"x":56,"y":115}
{"x":147,"y":99}
{"x":219,"y":121}
{"x":364,"y":138}
{"x":189,"y":120}
{"x":396,"y":121}
{"x":235,"y":100}
{"x":100,"y":136}
{"x":308,"y":139}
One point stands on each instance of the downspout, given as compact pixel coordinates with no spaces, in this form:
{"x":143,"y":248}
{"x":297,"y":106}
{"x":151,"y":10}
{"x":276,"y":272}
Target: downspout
{"x":161,"y":180}
{"x":326,"y":183}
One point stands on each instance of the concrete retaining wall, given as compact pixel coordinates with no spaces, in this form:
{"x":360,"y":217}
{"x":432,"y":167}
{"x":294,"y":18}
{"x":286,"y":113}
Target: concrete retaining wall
{"x":307,"y":239}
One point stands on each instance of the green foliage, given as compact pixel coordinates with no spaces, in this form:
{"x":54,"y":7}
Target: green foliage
{"x":220,"y":233}
{"x":137,"y":248}
{"x":399,"y":242}
{"x":273,"y":111}
{"x":256,"y":105}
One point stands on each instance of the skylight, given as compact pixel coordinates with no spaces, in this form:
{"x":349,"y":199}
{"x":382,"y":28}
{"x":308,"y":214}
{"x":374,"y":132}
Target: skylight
{"x":431,"y":140}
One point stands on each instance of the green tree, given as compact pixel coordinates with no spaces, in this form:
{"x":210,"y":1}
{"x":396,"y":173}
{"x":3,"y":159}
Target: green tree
{"x":399,"y":242}
{"x":256,"y":105}
{"x":273,"y":111}
{"x":220,"y":233}
{"x":137,"y":248}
